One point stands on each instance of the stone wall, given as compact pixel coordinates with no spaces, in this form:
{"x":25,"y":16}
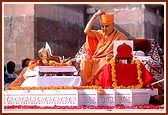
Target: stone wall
{"x":18,"y":32}
{"x":61,"y":26}
{"x":136,"y":20}
{"x":27,"y":26}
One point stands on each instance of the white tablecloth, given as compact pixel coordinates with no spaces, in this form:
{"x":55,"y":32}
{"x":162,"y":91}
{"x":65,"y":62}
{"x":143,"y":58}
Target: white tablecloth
{"x":52,"y":81}
{"x":57,"y":69}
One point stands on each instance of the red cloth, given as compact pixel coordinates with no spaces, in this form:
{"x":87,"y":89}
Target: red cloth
{"x":126,"y":74}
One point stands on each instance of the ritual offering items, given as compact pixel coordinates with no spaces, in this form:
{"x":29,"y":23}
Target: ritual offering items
{"x":54,"y":63}
{"x":54,"y":58}
{"x":47,"y":59}
{"x":33,"y":63}
{"x":49,"y":63}
{"x":50,"y":60}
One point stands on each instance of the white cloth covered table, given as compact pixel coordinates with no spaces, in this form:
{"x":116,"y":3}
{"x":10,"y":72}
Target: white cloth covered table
{"x":52,"y":81}
{"x":38,"y":69}
{"x":58,"y":69}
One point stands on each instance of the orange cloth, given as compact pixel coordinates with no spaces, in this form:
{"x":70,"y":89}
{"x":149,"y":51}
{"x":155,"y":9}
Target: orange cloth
{"x":107,"y":18}
{"x":18,"y":81}
{"x":98,"y":50}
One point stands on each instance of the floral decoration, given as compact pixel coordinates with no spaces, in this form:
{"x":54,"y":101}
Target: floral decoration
{"x":114,"y":80}
{"x":99,"y":88}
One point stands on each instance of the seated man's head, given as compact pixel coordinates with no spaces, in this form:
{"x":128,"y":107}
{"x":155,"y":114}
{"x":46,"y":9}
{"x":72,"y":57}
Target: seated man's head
{"x":11,"y":67}
{"x":25,"y":62}
{"x":42,"y":53}
{"x":107,"y":23}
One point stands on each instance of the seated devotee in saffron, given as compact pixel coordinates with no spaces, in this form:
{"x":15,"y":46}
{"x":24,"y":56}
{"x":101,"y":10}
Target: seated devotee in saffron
{"x":99,"y":47}
{"x":25,"y":63}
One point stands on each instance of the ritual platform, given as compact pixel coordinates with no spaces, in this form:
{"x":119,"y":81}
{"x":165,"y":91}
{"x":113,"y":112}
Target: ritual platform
{"x":74,"y":97}
{"x":66,"y":90}
{"x":60,"y":86}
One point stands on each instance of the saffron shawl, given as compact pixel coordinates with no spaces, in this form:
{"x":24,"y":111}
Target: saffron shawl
{"x":98,"y":50}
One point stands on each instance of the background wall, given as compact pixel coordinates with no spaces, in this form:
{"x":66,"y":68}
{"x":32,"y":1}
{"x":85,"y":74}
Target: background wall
{"x":61,"y":26}
{"x":18,"y":32}
{"x":28,"y":26}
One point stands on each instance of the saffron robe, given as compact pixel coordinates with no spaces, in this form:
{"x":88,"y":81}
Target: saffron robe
{"x":98,"y":49}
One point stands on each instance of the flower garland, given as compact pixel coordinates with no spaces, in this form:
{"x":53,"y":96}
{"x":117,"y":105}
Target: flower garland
{"x":106,"y":108}
{"x":99,"y":88}
{"x":114,"y":80}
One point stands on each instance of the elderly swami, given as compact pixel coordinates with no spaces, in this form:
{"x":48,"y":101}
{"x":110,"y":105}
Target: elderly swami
{"x":99,"y":47}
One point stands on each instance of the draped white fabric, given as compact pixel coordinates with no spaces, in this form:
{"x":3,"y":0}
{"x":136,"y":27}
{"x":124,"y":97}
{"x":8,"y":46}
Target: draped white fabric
{"x":52,"y":81}
{"x":58,"y":69}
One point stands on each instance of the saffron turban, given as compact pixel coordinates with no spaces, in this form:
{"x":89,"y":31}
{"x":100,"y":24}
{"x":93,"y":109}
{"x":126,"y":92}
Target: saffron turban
{"x":107,"y":18}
